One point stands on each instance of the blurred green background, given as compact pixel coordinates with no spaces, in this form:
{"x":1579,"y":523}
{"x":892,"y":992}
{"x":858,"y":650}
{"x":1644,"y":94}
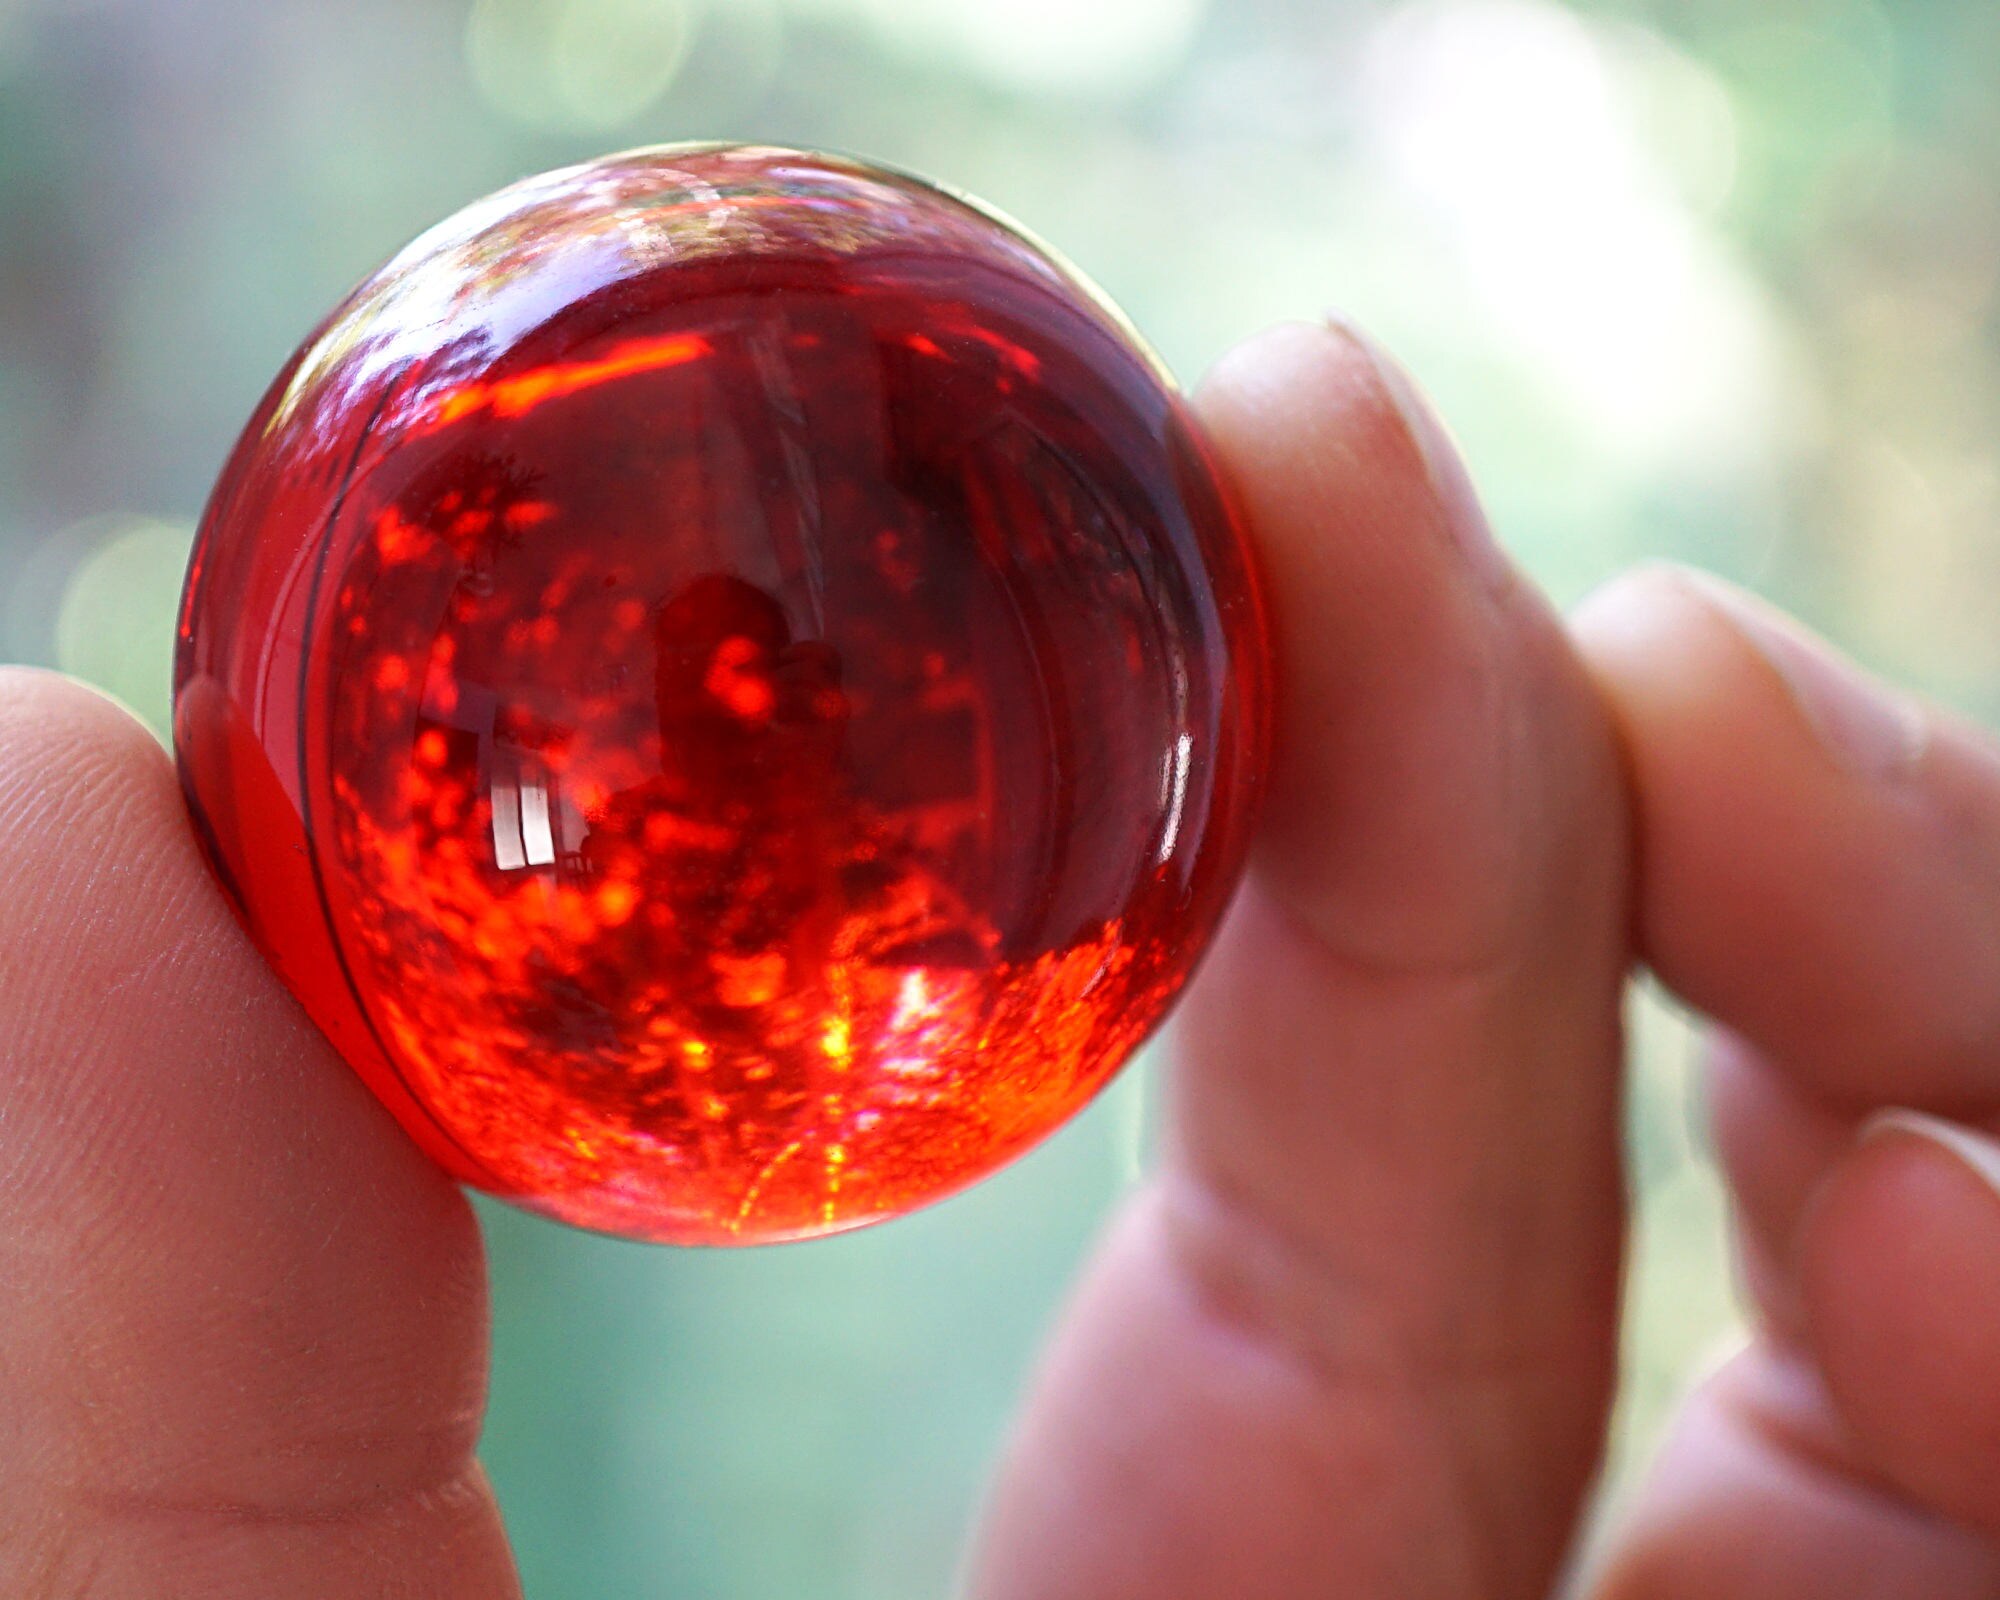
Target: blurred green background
{"x":1699,"y":279}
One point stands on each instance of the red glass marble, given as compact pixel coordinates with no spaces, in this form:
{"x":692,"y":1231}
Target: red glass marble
{"x":725,"y":681}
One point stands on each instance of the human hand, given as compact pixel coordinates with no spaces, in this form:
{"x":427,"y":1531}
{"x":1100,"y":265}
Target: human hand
{"x":1356,"y":1337}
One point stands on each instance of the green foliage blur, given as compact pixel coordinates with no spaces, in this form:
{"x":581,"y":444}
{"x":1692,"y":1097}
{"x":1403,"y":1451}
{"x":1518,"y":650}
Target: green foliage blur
{"x":1704,"y":280}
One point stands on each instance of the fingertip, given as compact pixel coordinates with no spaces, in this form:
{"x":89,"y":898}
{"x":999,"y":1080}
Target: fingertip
{"x":1634,"y":603}
{"x":101,"y":863}
{"x":283,"y":1300}
{"x":1653,"y":638}
{"x":1688,"y":656}
{"x":1809,"y":857}
{"x":78,"y":765}
{"x":1775,"y":1145}
{"x":1974,"y":1154}
{"x":1752,"y":1495}
{"x":50,"y":721}
{"x":1899,"y":1270}
{"x":1664,"y":614}
{"x":24,"y":687}
{"x":1425,"y":702}
{"x":1304,"y":429}
{"x":1315,"y":412}
{"x":1264,"y":369}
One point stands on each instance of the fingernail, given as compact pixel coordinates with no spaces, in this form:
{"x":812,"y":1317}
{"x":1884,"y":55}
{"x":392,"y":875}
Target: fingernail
{"x":1974,"y":1151}
{"x":1865,"y":726}
{"x":1444,"y":463}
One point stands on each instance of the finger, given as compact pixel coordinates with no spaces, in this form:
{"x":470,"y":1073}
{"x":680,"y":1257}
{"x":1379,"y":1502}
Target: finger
{"x":243,"y":1344}
{"x":1776,"y":1142}
{"x":1754,"y":1495}
{"x":1899,"y":1264}
{"x":1817,"y":865}
{"x":1357,"y":1334}
{"x":1820,"y":857}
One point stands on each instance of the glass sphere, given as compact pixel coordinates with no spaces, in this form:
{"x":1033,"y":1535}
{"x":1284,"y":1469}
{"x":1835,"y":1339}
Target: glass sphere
{"x":727,"y":683}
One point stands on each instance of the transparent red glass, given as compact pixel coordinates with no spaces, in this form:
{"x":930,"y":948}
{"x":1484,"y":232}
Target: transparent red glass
{"x":726,"y":682}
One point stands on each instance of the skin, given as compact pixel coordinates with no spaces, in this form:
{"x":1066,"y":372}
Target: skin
{"x":1356,"y":1336}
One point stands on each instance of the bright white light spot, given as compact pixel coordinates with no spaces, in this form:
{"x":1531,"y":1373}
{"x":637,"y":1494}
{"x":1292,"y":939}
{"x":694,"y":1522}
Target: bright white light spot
{"x":1174,"y":781}
{"x":1037,"y":46}
{"x":584,"y":65}
{"x":508,"y":853}
{"x":115,"y":624}
{"x":913,"y":1002}
{"x":1682,"y":117}
{"x":1525,"y":136}
{"x":1128,"y":1127}
{"x":537,"y":839}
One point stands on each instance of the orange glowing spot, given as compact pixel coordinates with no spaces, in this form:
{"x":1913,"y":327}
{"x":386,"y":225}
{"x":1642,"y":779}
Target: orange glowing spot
{"x":749,"y":980}
{"x":731,"y":678}
{"x":1025,"y":362}
{"x":836,"y":1040}
{"x":616,"y":901}
{"x":755,"y":1193}
{"x":575,"y":917}
{"x":516,"y":396}
{"x":836,"y":1158}
{"x":440,"y":692}
{"x":923,"y":345}
{"x":396,"y":539}
{"x":527,"y":514}
{"x":392,"y":673}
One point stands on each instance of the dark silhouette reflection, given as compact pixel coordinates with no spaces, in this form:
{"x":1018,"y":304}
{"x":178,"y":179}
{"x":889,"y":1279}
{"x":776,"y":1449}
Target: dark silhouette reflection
{"x":745,"y":850}
{"x":750,"y":719}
